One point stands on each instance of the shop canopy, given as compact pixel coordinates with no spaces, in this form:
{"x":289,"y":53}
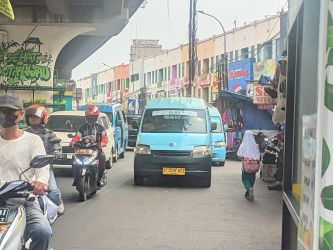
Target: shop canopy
{"x":253,"y":118}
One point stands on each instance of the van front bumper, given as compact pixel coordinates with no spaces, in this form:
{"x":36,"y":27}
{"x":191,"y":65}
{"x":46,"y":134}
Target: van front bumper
{"x":150,"y":165}
{"x":219,"y":154}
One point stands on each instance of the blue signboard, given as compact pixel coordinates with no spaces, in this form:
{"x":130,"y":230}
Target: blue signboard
{"x":131,"y":106}
{"x":239,"y":73}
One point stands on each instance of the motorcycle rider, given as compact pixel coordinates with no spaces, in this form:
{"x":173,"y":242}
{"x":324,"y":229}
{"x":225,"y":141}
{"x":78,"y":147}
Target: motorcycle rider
{"x":92,"y":128}
{"x":36,"y":117}
{"x":17,"y":149}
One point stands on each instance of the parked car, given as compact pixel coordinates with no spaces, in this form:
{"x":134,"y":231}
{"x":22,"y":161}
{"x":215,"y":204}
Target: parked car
{"x":64,"y":123}
{"x":118,"y":119}
{"x":174,"y":141}
{"x":218,"y":138}
{"x":133,"y":124}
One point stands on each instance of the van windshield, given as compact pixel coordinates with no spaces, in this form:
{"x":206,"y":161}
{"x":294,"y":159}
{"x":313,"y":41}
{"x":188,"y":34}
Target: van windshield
{"x":65,"y":123}
{"x":174,"y":121}
{"x":219,"y":124}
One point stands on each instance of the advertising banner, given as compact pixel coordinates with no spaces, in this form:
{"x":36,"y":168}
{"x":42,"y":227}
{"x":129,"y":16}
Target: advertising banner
{"x":266,"y":68}
{"x":94,"y":85}
{"x":239,"y":73}
{"x":131,"y":106}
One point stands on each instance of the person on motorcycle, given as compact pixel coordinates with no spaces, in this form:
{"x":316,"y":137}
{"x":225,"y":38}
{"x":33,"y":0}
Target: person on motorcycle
{"x":17,"y":149}
{"x":92,"y":128}
{"x":36,"y":117}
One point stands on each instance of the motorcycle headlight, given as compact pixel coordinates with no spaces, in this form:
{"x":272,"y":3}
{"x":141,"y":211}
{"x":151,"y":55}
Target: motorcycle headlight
{"x":77,"y":161}
{"x":201,"y":151}
{"x":88,"y":160}
{"x":219,"y":144}
{"x":142,"y":150}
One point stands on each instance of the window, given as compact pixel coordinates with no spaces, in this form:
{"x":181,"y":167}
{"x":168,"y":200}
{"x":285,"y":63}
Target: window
{"x":65,"y":123}
{"x":199,"y":68}
{"x":134,"y":77}
{"x":174,"y":121}
{"x":236,"y":55}
{"x":212,"y":65}
{"x":244,"y":53}
{"x":259,"y":53}
{"x":252,"y":52}
{"x":267,"y":51}
{"x":183,"y":69}
{"x":231,"y":56}
{"x":169,"y":73}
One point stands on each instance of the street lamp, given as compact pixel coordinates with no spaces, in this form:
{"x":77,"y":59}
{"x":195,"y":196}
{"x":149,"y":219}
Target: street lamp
{"x":225,"y":48}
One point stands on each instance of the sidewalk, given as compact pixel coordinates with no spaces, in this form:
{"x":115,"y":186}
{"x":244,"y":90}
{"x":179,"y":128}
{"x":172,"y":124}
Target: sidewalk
{"x":253,"y":225}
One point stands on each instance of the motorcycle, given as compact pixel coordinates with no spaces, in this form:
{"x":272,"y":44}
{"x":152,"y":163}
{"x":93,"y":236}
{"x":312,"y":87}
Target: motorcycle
{"x":85,"y":166}
{"x":12,"y":214}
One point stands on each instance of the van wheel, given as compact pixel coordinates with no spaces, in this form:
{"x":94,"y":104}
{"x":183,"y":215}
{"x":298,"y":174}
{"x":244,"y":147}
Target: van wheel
{"x":221,"y":163}
{"x":122,"y":155}
{"x":138,"y":180}
{"x":115,"y":155}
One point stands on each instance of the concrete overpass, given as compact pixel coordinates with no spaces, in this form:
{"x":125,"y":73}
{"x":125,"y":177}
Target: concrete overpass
{"x":51,"y":37}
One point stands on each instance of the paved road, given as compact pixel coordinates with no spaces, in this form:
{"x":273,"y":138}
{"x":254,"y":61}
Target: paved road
{"x":123,"y":216}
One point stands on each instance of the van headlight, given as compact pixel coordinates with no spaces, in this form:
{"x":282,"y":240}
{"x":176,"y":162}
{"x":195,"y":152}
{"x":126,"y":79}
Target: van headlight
{"x":219,"y":144}
{"x":201,"y":151}
{"x":142,"y":150}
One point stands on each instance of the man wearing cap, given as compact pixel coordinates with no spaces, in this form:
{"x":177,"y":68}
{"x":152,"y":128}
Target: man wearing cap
{"x":17,"y":149}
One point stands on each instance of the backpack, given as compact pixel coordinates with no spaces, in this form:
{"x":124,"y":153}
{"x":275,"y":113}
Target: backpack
{"x":250,"y":166}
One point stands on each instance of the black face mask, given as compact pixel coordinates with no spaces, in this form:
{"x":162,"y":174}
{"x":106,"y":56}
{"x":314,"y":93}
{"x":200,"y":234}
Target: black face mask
{"x":7,"y":117}
{"x":91,"y":119}
{"x":36,"y":126}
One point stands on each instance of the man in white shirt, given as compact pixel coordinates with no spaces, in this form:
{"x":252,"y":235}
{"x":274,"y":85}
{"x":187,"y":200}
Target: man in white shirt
{"x":17,"y":149}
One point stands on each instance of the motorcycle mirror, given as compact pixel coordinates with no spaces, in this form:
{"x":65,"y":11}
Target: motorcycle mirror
{"x":55,"y":140}
{"x":39,"y":161}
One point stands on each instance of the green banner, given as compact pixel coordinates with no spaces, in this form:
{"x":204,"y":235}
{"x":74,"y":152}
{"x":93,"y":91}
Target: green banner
{"x":6,"y":9}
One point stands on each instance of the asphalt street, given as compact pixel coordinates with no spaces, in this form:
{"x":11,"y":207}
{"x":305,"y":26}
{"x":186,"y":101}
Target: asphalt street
{"x":169,"y":216}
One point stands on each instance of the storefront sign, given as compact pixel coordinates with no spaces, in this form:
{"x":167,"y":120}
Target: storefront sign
{"x":265,"y":107}
{"x":266,"y":68}
{"x":24,"y":64}
{"x":239,"y":73}
{"x":260,"y":96}
{"x":305,"y":227}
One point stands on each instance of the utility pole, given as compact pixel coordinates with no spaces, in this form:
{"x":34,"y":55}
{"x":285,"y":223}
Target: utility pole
{"x":192,"y":43}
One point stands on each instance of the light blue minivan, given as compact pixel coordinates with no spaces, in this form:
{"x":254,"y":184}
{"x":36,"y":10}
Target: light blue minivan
{"x":218,"y":137}
{"x":174,"y":141}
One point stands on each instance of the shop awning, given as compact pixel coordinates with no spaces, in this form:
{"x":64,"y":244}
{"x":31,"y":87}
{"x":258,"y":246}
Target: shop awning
{"x":235,"y":95}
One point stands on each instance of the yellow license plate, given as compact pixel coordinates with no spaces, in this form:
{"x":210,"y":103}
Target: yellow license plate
{"x":173,"y":171}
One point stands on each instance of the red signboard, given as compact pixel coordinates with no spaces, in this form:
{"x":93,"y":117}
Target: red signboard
{"x":260,"y":96}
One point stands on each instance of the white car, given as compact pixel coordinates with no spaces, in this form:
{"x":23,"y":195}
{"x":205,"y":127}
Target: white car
{"x":64,"y":123}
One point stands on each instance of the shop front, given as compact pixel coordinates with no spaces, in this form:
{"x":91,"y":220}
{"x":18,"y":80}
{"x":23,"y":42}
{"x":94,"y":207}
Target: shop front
{"x":308,"y":165}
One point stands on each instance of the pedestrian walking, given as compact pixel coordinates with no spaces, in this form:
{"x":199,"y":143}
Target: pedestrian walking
{"x":249,"y":152}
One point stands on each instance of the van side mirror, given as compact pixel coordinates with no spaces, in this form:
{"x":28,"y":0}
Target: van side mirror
{"x":135,"y":125}
{"x":213,"y":126}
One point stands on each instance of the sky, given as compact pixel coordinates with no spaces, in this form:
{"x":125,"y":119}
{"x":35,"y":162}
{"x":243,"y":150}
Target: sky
{"x":167,"y":21}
